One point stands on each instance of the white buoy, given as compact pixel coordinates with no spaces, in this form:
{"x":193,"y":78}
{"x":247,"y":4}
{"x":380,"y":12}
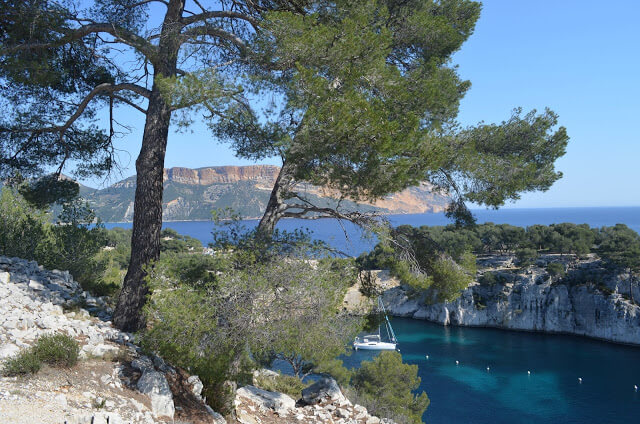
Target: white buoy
{"x":580,"y":380}
{"x":427,"y":356}
{"x":529,"y":372}
{"x":635,"y":387}
{"x":457,"y":362}
{"x":488,"y":368}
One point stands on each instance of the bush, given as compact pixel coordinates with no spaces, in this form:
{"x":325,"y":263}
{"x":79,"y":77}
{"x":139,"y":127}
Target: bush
{"x":488,"y":279}
{"x":58,"y":350}
{"x":286,"y":384}
{"x":25,"y":362}
{"x":385,"y":387}
{"x":526,"y":257}
{"x":556,"y":269}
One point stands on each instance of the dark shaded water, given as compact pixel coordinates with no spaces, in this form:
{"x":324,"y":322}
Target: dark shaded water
{"x":468,"y":393}
{"x":334,"y":234}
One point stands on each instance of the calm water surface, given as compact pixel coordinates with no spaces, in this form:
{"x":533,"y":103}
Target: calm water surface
{"x":355,"y":244}
{"x":468,"y":393}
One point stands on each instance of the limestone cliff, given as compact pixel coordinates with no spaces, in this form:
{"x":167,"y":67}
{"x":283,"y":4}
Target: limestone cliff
{"x":191,"y":194}
{"x":590,"y":300}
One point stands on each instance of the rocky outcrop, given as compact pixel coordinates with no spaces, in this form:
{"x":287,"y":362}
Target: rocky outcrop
{"x":113,"y":383}
{"x":589,"y":301}
{"x":222,"y":174}
{"x":322,"y":402}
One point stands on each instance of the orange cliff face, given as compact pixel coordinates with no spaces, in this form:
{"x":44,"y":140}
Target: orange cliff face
{"x":222,"y":174}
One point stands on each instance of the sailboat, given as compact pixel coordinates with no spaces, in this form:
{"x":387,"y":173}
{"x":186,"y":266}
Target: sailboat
{"x":374,"y":341}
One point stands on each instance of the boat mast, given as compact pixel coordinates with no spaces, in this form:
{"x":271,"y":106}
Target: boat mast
{"x":390,"y":332}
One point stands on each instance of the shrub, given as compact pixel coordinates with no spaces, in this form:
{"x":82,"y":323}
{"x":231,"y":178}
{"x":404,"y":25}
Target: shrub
{"x":488,"y":279}
{"x":556,"y":269}
{"x":286,"y":384}
{"x":25,"y":362}
{"x":526,"y":257}
{"x":384,"y":386}
{"x":58,"y":350}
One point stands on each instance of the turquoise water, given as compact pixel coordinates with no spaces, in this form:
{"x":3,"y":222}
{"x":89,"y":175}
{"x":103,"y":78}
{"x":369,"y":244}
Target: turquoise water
{"x":468,"y":393}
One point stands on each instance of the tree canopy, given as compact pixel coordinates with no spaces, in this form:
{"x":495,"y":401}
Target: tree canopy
{"x":364,"y":102}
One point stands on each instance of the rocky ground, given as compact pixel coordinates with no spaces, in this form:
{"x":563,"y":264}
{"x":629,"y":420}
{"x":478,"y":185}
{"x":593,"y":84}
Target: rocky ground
{"x":322,"y":402}
{"x":591,"y":300}
{"x":114,"y":383}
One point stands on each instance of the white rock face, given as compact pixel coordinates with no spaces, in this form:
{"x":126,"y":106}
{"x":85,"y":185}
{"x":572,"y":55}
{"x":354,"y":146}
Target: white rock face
{"x":531,"y":301}
{"x":254,"y":406}
{"x":278,"y":402}
{"x":154,"y":384}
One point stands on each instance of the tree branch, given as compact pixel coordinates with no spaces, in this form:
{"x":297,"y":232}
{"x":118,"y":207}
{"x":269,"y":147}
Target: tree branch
{"x":102,"y":88}
{"x":143,"y":2}
{"x":207,"y":30}
{"x":202,"y":17}
{"x":125,"y":36}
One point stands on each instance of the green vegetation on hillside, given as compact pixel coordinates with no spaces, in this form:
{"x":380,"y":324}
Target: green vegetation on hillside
{"x":58,"y":350}
{"x":426,"y":246}
{"x":72,"y":243}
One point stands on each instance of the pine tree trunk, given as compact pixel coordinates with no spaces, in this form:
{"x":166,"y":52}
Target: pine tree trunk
{"x":147,"y":215}
{"x":147,"y":212}
{"x":276,"y":205}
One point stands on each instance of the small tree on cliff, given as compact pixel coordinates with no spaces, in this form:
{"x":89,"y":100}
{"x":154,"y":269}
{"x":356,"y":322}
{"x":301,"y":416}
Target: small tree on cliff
{"x":621,"y":246}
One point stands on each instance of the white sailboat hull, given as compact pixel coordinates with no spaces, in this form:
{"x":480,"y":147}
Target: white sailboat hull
{"x":374,"y":346}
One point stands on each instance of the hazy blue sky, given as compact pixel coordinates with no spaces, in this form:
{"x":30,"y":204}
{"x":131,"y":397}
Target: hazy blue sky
{"x":581,"y":58}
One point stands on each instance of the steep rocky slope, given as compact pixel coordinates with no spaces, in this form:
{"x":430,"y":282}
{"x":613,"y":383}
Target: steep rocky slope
{"x":591,"y":300}
{"x":190,"y":194}
{"x":114,"y":382}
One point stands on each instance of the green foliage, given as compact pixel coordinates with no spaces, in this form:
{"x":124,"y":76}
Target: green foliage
{"x":22,"y":228}
{"x":287,"y":384}
{"x":172,"y":242}
{"x":450,"y":278}
{"x":526,"y":256}
{"x":286,"y":309}
{"x":556,"y":269}
{"x":336,"y":369}
{"x":370,"y":100}
{"x":441,"y":259}
{"x":488,"y":279}
{"x":621,"y":246}
{"x":57,"y":350}
{"x":50,"y":189}
{"x":385,"y":386}
{"x":25,"y":362}
{"x":76,"y":242}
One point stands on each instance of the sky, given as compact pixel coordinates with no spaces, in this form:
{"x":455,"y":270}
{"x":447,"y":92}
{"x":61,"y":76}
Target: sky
{"x":580,"y":58}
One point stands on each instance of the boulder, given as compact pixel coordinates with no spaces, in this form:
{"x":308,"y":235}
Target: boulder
{"x":154,"y":384}
{"x":196,"y":385}
{"x":8,"y":350}
{"x":323,"y":389}
{"x":279,"y":402}
{"x":4,"y":277}
{"x":36,"y":285}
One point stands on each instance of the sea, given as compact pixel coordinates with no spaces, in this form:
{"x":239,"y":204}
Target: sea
{"x":352,"y":241}
{"x":531,"y":377}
